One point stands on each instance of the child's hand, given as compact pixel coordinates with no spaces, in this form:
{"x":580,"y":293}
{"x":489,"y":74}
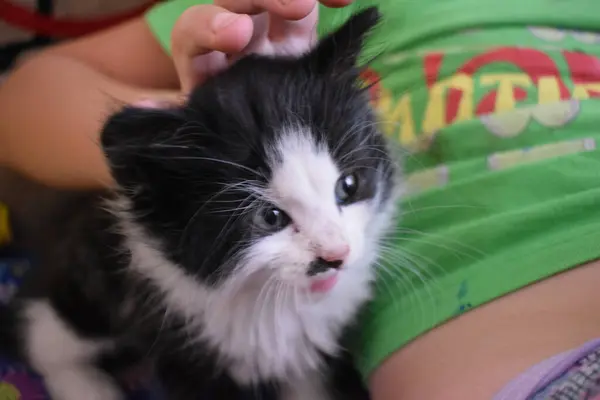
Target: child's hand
{"x":207,"y":38}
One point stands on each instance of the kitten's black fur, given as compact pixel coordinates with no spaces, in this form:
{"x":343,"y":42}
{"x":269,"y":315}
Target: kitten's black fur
{"x":164,"y":162}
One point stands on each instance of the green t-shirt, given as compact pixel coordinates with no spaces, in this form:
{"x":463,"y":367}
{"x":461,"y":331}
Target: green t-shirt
{"x":495,"y":106}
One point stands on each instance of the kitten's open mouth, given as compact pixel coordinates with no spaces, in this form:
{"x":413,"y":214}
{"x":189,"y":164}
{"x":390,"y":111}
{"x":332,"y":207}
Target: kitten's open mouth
{"x":325,"y":283}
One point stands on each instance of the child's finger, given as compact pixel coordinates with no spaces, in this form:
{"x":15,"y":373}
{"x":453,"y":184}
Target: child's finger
{"x":204,"y":29}
{"x":287,"y":9}
{"x":162,"y":100}
{"x":298,"y":36}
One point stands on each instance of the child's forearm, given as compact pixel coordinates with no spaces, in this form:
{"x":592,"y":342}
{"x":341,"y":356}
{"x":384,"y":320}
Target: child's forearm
{"x":51,"y":112}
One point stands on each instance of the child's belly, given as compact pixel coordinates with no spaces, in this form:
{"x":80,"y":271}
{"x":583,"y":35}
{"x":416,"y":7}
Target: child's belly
{"x":473,"y":356}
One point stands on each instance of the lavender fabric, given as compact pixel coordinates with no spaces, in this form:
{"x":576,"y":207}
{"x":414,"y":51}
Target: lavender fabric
{"x":543,"y":374}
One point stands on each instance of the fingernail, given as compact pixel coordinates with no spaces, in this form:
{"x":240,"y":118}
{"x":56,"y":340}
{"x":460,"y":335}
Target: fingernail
{"x":222,"y":20}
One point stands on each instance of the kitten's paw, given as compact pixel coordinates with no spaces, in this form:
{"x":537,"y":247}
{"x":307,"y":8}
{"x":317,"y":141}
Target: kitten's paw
{"x":82,"y":384}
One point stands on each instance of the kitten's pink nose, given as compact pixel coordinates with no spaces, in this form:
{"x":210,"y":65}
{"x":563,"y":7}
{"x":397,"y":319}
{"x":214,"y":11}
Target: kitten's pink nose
{"x":335,"y":254}
{"x":327,"y":259}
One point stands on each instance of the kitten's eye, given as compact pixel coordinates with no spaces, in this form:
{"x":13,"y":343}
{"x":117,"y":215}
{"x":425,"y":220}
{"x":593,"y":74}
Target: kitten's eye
{"x":345,"y":188}
{"x":274,"y":219}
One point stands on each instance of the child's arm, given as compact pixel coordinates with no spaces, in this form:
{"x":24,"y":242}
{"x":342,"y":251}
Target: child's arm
{"x":52,"y":107}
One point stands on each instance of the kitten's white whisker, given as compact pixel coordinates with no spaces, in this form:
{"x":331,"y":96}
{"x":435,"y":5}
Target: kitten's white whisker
{"x":425,"y":277}
{"x":382,"y":268}
{"x":349,"y":134}
{"x":216,"y":160}
{"x":280,"y":292}
{"x":374,"y":148}
{"x":437,"y":241}
{"x":264,"y":301}
{"x":401,"y":258}
{"x":393,"y":254}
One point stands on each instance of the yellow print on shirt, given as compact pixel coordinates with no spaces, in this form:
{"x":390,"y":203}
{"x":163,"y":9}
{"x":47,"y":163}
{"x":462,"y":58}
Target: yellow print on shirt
{"x":505,"y":103}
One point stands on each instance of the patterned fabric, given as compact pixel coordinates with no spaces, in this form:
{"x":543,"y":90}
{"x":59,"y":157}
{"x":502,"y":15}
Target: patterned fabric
{"x":17,"y":382}
{"x":570,"y":375}
{"x":581,"y":381}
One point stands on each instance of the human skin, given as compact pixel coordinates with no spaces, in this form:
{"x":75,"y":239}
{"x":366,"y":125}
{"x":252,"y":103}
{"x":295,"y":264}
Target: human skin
{"x":473,"y":356}
{"x":53,"y":105}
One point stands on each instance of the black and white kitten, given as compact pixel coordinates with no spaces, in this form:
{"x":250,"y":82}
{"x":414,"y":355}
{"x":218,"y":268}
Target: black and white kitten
{"x":239,"y":246}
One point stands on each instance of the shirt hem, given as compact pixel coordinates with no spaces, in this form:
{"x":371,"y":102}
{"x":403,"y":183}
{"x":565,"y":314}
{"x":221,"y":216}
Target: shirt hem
{"x":560,"y":252}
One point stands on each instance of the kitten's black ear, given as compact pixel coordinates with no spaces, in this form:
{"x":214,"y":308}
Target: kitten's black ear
{"x":139,"y":142}
{"x":338,"y":52}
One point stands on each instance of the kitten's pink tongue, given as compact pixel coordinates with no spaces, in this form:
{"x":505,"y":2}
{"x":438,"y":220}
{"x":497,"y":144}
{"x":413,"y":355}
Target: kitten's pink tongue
{"x":324,"y":285}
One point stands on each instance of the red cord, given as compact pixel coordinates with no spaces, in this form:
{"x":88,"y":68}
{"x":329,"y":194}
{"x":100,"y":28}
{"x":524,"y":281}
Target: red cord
{"x":26,"y":19}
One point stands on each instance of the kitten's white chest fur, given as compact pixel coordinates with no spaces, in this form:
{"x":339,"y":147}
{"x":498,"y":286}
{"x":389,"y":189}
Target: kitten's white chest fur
{"x":282,"y":335}
{"x":261,"y":334}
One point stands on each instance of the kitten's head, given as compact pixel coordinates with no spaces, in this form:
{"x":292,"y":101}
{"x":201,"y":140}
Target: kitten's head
{"x":274,"y":169}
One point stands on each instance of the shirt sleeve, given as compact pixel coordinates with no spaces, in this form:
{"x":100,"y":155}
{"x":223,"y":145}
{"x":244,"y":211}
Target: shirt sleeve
{"x":161,"y":19}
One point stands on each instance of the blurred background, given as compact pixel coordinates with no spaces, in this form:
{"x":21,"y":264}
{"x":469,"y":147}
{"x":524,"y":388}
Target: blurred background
{"x":27,"y":25}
